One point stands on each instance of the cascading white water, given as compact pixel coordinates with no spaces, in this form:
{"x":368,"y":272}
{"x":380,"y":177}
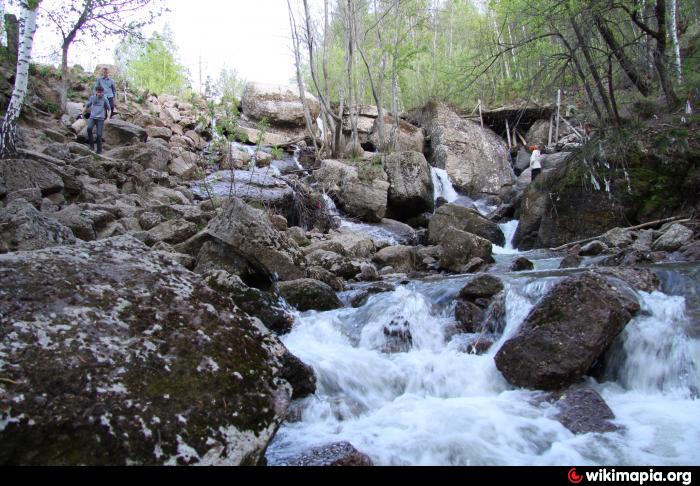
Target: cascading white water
{"x":443,"y":186}
{"x":508,"y":230}
{"x":435,"y":405}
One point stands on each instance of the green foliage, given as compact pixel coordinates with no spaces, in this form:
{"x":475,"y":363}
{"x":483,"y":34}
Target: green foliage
{"x":152,"y":65}
{"x":277,"y":153}
{"x":229,"y":86}
{"x":52,"y":107}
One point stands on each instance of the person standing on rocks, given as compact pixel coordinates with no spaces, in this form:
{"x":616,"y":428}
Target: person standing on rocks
{"x":99,"y":110}
{"x":535,"y":162}
{"x":110,"y":89}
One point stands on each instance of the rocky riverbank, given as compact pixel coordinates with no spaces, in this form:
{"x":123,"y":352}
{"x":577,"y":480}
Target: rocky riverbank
{"x":143,"y":317}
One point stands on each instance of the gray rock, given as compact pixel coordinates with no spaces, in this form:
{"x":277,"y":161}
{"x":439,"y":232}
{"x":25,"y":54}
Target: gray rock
{"x":400,"y":258}
{"x":363,"y":199}
{"x":407,"y":137}
{"x":570,"y":261}
{"x":337,"y":454}
{"x":464,"y":219}
{"x":460,"y":247}
{"x":120,"y":132}
{"x":250,"y":234}
{"x":161,"y":370}
{"x":19,"y":174}
{"x":593,"y":248}
{"x":475,"y":158}
{"x":566,"y":332}
{"x":149,"y":155}
{"x":308,"y":294}
{"x":85,"y":223}
{"x":281,"y":105}
{"x":584,"y":411}
{"x":674,"y":238}
{"x":481,"y":286}
{"x":23,"y":228}
{"x":254,"y":302}
{"x":173,"y":231}
{"x":333,"y":262}
{"x":411,"y":184}
{"x":522,"y":264}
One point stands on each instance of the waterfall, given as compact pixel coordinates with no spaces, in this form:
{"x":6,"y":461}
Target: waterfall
{"x":394,"y":383}
{"x":509,"y":230}
{"x":443,"y":186}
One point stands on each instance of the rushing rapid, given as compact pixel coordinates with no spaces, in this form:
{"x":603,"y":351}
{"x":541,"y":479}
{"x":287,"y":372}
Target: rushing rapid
{"x":434,"y":404}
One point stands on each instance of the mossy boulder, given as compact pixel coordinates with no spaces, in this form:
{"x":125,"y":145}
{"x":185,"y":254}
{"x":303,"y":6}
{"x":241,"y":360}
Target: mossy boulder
{"x":609,"y":184}
{"x":113,"y":354}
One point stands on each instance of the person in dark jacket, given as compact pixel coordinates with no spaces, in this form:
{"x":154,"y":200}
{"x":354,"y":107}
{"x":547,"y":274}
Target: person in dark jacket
{"x":110,"y":89}
{"x":98,"y":108}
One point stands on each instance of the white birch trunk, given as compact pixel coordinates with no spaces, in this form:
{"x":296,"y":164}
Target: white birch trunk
{"x":673,"y":28}
{"x":3,"y":38}
{"x":8,"y":131}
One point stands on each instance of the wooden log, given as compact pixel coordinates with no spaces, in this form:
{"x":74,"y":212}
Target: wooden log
{"x":508,"y":134}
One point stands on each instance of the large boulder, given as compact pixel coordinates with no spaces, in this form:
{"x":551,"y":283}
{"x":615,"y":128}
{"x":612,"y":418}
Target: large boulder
{"x":675,"y":237}
{"x":407,"y":138}
{"x":399,"y":257}
{"x":475,"y":158}
{"x":566,"y":332}
{"x":411,"y":184}
{"x":281,"y":105}
{"x":465,"y":219}
{"x":538,"y":134}
{"x":149,"y":155}
{"x":257,"y":187}
{"x":363,"y":197}
{"x":20,"y":174}
{"x":120,"y":132}
{"x":248,"y":232}
{"x":155,"y":367}
{"x":603,"y":186}
{"x":459,"y":248}
{"x":309,"y":294}
{"x":22,"y":227}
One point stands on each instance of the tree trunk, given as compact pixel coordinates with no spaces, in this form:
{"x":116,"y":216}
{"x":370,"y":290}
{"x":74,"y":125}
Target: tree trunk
{"x":64,"y":77}
{"x":12,"y":29}
{"x":8,"y":130}
{"x":593,"y":70}
{"x":660,"y":56}
{"x":619,"y":53}
{"x":673,"y":26}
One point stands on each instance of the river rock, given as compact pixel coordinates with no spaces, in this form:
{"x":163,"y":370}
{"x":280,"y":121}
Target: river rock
{"x":337,"y":454}
{"x":593,"y":248}
{"x":173,"y":232}
{"x":149,"y":155}
{"x":522,"y":264}
{"x":407,"y":137}
{"x":161,"y":370}
{"x":308,"y":294}
{"x":584,"y":411}
{"x":538,"y":134}
{"x":86,"y":223}
{"x":464,"y":219}
{"x":638,"y":278}
{"x":254,"y":302}
{"x":120,"y":132}
{"x":22,"y":227}
{"x":257,"y":187}
{"x":411,"y":184}
{"x":475,"y":158}
{"x":401,"y":258}
{"x":159,"y":132}
{"x":300,"y":375}
{"x":281,"y":105}
{"x":460,"y":247}
{"x":19,"y":174}
{"x":363,"y":199}
{"x":570,"y":261}
{"x":481,"y":286}
{"x":249,"y":233}
{"x":565,"y":333}
{"x":338,"y":265}
{"x":674,"y":238}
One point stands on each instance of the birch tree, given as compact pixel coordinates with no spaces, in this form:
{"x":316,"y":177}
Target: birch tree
{"x":8,"y":130}
{"x":97,"y":19}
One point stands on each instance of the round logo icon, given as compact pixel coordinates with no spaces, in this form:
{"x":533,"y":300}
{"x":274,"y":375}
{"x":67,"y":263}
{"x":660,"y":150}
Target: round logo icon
{"x":574,"y":478}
